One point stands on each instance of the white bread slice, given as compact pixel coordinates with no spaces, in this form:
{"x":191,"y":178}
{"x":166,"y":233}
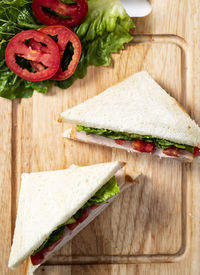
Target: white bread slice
{"x":137,"y":105}
{"x":71,"y":133}
{"x":48,"y":199}
{"x":125,"y":179}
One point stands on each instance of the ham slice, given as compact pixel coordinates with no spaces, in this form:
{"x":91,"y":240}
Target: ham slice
{"x":72,"y":133}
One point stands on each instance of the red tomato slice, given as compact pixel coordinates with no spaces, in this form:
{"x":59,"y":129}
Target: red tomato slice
{"x":76,"y":223}
{"x":138,"y":145}
{"x":64,"y":36}
{"x":48,"y":11}
{"x":149,"y":147}
{"x":120,"y":141}
{"x":171,"y":151}
{"x":142,"y":146}
{"x":37,"y":46}
{"x":50,"y":58}
{"x":73,"y":225}
{"x":94,"y":206}
{"x":39,"y":257}
{"x":196,"y":151}
{"x":51,"y":247}
{"x":84,"y":215}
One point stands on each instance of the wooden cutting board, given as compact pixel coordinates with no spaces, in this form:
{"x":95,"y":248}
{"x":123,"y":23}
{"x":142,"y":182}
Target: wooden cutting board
{"x":156,"y":222}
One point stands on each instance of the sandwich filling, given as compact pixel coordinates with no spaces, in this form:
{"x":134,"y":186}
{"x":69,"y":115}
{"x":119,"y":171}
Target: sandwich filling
{"x":142,"y":143}
{"x":109,"y":190}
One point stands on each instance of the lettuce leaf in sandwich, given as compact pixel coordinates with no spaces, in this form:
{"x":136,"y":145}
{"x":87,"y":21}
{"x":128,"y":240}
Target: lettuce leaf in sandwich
{"x":109,"y":190}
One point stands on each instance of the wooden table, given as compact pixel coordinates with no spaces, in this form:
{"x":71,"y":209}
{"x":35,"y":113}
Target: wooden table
{"x":155,"y":228}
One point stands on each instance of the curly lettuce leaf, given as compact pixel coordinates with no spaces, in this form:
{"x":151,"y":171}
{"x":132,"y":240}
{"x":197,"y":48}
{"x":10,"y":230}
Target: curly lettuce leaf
{"x":109,"y":190}
{"x":160,"y":143}
{"x":104,"y":31}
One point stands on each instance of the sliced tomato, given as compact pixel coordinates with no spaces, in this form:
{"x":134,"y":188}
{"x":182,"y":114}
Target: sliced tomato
{"x":37,"y":46}
{"x":149,"y":147}
{"x":53,"y":12}
{"x":196,"y":151}
{"x":49,"y":58}
{"x":39,"y":257}
{"x":120,"y":141}
{"x":142,"y":146}
{"x":72,"y":226}
{"x":138,"y":145}
{"x":64,"y":36}
{"x":171,"y":151}
{"x":51,"y":247}
{"x":84,"y":215}
{"x":94,"y":206}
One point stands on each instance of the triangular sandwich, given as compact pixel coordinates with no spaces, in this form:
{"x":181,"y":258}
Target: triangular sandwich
{"x":55,"y":205}
{"x":136,"y":115}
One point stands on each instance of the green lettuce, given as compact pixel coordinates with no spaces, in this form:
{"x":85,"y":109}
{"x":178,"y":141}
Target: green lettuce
{"x":55,"y":236}
{"x":109,"y":190}
{"x":160,"y":143}
{"x":104,"y":31}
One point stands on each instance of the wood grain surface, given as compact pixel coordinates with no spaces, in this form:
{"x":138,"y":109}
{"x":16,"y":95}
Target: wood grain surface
{"x":157,"y":224}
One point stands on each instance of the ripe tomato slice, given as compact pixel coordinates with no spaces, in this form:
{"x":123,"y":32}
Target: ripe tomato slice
{"x":120,"y":141}
{"x":37,"y":46}
{"x":138,"y":145}
{"x":39,"y":257}
{"x":50,"y":58}
{"x":84,"y":215}
{"x":53,"y":12}
{"x":142,"y":146}
{"x":64,"y":36}
{"x":76,"y":223}
{"x":196,"y":151}
{"x":149,"y":147}
{"x":171,"y":151}
{"x":73,"y":225}
{"x":94,"y":206}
